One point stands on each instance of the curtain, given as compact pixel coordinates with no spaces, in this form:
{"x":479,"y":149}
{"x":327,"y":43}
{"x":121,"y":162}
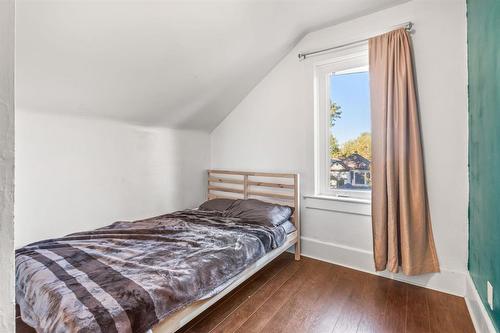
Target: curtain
{"x":402,"y":231}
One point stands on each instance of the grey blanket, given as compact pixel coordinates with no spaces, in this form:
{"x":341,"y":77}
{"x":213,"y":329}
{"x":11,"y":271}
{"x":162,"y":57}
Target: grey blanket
{"x":128,"y":276}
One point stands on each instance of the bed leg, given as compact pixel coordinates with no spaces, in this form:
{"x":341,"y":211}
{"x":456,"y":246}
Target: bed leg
{"x":297,"y":251}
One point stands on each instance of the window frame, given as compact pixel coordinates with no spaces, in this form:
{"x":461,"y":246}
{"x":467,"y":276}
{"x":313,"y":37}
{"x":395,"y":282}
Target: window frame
{"x":344,"y":60}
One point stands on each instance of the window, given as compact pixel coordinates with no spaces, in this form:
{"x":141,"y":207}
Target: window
{"x":342,"y":112}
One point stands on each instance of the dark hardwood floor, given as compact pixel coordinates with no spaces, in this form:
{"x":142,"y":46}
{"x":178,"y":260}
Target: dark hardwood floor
{"x":314,"y":296}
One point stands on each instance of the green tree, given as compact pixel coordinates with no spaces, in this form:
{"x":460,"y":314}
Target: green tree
{"x":334,"y":147}
{"x":362,"y":145}
{"x":335,"y":112}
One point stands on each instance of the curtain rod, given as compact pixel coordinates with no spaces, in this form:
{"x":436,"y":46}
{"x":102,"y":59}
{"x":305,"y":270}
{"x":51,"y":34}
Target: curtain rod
{"x":304,"y":55}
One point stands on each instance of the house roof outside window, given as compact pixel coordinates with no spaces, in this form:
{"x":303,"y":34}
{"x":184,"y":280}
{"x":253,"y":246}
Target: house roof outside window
{"x":351,"y":162}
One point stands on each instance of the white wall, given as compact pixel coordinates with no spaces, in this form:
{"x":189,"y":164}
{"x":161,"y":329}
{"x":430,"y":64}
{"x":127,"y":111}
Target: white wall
{"x":272,"y":130}
{"x":75,"y":174}
{"x":6,"y":166}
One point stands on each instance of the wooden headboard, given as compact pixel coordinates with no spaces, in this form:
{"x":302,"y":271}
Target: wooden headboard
{"x":282,"y":188}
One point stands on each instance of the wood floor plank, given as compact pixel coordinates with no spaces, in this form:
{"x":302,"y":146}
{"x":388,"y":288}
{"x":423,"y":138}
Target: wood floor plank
{"x":374,"y":301}
{"x":394,"y":320}
{"x":259,"y":319}
{"x":249,"y":306}
{"x":317,"y":315}
{"x":217,"y":313}
{"x":440,"y":320}
{"x":418,"y":314}
{"x":447,"y":314}
{"x":462,"y":317}
{"x":330,"y":304}
{"x":352,"y":311}
{"x":295,"y":310}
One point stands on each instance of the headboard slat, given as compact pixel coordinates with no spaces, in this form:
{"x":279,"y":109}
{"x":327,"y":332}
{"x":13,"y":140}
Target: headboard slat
{"x":272,"y":195}
{"x":266,"y":184}
{"x":224,"y":180}
{"x":254,"y":174}
{"x":216,"y":196}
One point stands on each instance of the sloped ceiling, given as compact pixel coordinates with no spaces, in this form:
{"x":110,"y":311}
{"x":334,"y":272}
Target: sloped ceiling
{"x":180,"y":64}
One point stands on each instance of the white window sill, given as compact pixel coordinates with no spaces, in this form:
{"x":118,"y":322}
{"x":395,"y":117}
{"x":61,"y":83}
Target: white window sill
{"x":337,"y":198}
{"x":342,"y":205}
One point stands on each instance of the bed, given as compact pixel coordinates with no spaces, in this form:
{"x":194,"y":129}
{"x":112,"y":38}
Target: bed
{"x":157,"y":274}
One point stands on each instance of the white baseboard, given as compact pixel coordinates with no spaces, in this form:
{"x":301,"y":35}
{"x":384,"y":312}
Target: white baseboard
{"x":480,"y":318}
{"x":448,"y":281}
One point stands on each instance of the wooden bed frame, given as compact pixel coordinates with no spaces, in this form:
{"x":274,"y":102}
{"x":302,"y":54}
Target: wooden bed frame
{"x":270,"y":187}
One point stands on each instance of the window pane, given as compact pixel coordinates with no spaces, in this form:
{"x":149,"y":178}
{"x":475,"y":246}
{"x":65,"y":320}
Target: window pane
{"x":350,"y":138}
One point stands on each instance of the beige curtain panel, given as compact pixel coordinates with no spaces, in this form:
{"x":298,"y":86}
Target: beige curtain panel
{"x":402,"y":232}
